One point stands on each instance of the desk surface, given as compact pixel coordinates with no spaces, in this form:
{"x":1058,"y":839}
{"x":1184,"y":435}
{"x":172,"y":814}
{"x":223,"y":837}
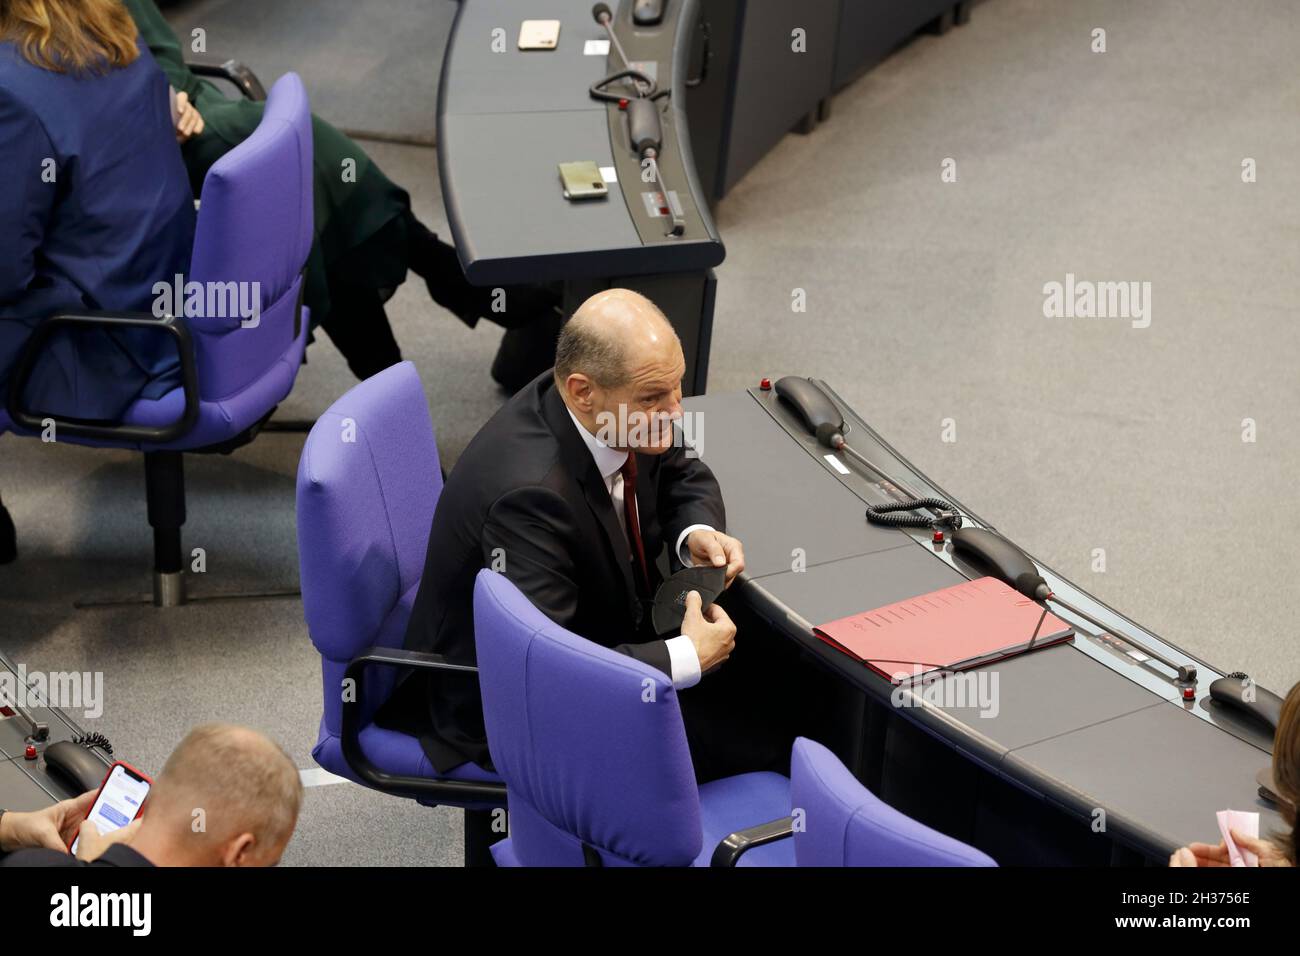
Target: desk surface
{"x":508,"y":117}
{"x":1084,"y":724}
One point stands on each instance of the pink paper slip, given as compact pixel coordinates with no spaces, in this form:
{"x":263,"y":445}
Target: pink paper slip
{"x":1247,"y":824}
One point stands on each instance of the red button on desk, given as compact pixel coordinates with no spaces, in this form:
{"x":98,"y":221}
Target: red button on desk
{"x":30,"y":752}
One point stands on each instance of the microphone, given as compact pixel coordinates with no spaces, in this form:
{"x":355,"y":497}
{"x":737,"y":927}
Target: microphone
{"x":602,"y":15}
{"x":990,"y":551}
{"x":828,"y":435}
{"x":644,"y":130}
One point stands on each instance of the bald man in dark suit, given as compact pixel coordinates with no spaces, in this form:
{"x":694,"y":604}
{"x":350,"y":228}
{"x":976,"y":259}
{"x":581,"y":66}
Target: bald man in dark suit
{"x":573,"y":490}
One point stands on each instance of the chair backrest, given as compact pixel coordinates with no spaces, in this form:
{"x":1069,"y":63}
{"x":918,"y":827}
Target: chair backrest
{"x":368,"y":482}
{"x":252,"y":239}
{"x":589,"y":742}
{"x":845,"y":824}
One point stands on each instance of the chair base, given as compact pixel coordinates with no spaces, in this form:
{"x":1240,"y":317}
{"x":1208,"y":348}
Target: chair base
{"x":165,"y":496}
{"x":169,"y":590}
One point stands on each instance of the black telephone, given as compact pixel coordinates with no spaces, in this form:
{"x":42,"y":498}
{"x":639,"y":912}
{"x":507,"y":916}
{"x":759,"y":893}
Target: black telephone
{"x":1265,"y":708}
{"x":809,"y":402}
{"x":75,"y":765}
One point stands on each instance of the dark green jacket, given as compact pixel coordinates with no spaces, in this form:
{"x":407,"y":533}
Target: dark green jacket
{"x":351,"y":211}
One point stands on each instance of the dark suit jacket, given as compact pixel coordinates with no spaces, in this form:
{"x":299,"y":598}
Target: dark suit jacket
{"x":116,"y":855}
{"x":528,"y":485}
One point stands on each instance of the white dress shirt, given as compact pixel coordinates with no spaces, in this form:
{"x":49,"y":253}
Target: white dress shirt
{"x":685,"y":663}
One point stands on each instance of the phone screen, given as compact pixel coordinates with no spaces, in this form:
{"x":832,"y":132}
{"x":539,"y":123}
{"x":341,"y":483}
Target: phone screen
{"x":118,"y":802}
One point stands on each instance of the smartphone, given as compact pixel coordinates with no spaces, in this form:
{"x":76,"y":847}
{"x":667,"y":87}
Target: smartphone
{"x":539,"y":34}
{"x":119,"y":801}
{"x":582,"y":180}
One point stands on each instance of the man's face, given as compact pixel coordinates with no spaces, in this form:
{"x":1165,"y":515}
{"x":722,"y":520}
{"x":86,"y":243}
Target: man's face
{"x":639,"y":414}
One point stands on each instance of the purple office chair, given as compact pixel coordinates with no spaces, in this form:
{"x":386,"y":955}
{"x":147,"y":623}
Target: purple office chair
{"x":592,"y":749}
{"x":368,"y":481}
{"x":254,"y":226}
{"x":842,"y":823}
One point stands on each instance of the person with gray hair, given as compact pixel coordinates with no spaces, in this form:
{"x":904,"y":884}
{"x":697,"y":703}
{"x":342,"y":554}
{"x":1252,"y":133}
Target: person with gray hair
{"x":573,"y":490}
{"x":227,"y":796}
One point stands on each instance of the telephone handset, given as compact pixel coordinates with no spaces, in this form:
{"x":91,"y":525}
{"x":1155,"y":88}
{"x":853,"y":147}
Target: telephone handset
{"x":1262,"y":705}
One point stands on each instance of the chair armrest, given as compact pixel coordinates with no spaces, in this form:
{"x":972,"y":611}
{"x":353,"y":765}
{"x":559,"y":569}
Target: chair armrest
{"x":232,"y":71}
{"x":476,"y":791}
{"x":730,"y":850}
{"x":112,"y":431}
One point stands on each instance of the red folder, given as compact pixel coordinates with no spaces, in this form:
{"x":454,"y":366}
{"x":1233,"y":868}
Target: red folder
{"x":969,"y":624}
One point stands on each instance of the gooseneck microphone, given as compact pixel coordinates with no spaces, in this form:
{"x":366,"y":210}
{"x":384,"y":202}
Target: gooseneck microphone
{"x":645,"y":132}
{"x":605,"y":17}
{"x":820,"y":416}
{"x":980,"y":547}
{"x":830,"y":436}
{"x":988,"y":549}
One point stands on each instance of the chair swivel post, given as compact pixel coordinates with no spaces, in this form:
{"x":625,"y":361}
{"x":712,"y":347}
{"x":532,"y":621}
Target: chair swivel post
{"x":165,"y":492}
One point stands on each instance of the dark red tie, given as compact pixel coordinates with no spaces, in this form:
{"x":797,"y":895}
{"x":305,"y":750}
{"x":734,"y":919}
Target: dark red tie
{"x":633,"y":522}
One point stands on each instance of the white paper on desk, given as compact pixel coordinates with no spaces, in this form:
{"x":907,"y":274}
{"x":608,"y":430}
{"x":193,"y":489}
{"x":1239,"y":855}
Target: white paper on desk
{"x":1247,"y":824}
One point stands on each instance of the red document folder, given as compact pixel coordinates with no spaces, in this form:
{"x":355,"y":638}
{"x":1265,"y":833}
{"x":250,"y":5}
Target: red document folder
{"x":972,"y":623}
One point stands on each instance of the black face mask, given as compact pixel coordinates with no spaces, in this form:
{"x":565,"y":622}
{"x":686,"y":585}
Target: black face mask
{"x":670,"y":600}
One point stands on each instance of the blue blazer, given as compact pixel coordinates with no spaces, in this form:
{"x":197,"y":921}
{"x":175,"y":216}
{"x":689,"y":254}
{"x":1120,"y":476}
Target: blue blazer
{"x":95,"y":207}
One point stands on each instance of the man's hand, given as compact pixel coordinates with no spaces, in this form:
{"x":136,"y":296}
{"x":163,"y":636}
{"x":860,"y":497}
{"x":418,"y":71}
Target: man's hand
{"x":91,"y":844}
{"x":188,"y":120}
{"x":51,"y":828}
{"x":710,"y":630}
{"x":713,"y":548}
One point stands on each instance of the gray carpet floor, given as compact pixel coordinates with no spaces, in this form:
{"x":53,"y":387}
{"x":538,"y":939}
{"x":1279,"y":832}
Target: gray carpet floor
{"x":925,"y":303}
{"x":369,"y":66}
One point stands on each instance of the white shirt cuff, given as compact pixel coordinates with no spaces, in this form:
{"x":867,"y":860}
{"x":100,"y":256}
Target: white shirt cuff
{"x":683,"y":660}
{"x":682,"y":554}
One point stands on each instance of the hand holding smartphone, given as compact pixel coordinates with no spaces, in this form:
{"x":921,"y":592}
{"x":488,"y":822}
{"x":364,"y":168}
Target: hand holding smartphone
{"x":120,"y":800}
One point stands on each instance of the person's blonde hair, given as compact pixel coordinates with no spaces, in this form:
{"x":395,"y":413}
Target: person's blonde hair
{"x":1286,"y":769}
{"x":239,"y":778}
{"x":70,"y":36}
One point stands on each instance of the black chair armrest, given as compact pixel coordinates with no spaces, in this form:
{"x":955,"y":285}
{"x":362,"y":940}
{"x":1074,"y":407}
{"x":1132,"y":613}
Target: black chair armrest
{"x":400,"y":784}
{"x":232,"y":71}
{"x":730,"y":850}
{"x":110,"y":431}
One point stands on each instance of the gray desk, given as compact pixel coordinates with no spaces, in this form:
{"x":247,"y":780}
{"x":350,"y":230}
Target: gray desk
{"x":759,"y":83}
{"x":869,"y":30}
{"x":507,"y":118}
{"x":1079,"y":727}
